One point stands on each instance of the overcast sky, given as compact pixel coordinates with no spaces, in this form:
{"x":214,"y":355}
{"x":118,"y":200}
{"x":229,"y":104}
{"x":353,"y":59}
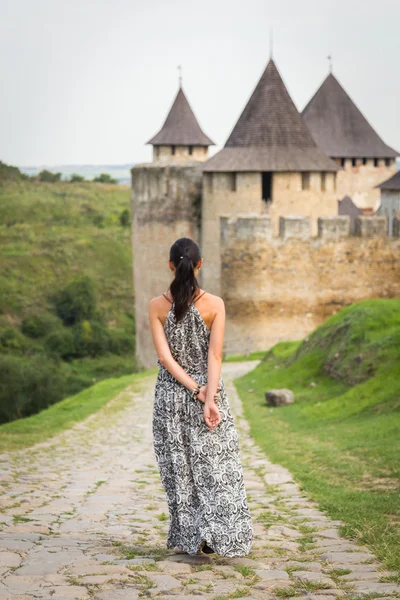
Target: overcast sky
{"x":90,"y":81}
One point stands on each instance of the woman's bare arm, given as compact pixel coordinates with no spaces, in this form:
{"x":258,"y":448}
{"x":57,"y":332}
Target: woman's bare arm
{"x":162,"y":348}
{"x":215,"y":350}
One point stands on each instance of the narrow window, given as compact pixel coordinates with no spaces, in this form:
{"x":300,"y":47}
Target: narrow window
{"x":172,"y":150}
{"x":364,"y":161}
{"x":343,"y":162}
{"x":376,"y":162}
{"x":305,"y":180}
{"x":266,"y":184}
{"x":190,"y":150}
{"x":156,"y":151}
{"x":323,"y":181}
{"x":388,"y":162}
{"x":233,"y":181}
{"x":353,"y":162}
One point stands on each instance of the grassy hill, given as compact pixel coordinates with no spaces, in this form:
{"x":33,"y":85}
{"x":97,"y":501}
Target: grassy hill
{"x":341,"y":437}
{"x":50,"y":235}
{"x":51,"y":232}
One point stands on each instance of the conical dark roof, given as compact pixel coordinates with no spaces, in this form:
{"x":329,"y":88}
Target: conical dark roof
{"x":270,"y":134}
{"x":393,"y":183}
{"x":181,"y":127}
{"x":338,"y":126}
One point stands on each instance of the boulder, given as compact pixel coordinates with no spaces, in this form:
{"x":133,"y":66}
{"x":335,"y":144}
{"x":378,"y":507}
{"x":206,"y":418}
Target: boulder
{"x":279,"y":397}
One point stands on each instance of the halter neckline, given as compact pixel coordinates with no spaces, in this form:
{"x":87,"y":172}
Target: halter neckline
{"x":193,"y":302}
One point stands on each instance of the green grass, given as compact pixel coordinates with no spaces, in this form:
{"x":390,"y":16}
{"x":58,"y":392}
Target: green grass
{"x":340,"y":437}
{"x":52,"y":232}
{"x":24,"y":433}
{"x":256,"y":355}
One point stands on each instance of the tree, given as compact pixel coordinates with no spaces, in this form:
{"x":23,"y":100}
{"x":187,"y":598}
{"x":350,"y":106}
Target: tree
{"x":104,"y":178}
{"x":75,"y":178}
{"x":125,"y":218}
{"x":9,"y":172}
{"x":76,"y":302}
{"x":48,"y":176}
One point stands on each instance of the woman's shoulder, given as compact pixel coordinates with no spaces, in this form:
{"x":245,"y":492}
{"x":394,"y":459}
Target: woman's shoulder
{"x":212,"y":300}
{"x":159,"y":301}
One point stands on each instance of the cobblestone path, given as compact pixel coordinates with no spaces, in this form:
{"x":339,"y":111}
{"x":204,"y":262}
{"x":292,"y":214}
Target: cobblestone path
{"x":84,"y":516}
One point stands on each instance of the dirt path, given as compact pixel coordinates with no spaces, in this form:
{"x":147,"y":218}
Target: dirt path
{"x":84,"y":516}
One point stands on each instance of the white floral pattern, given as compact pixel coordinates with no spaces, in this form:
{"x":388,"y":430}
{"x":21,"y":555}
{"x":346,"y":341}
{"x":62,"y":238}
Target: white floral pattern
{"x":200,"y":470}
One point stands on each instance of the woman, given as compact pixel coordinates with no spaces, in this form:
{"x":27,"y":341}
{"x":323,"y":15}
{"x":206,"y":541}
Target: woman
{"x":195,"y":438}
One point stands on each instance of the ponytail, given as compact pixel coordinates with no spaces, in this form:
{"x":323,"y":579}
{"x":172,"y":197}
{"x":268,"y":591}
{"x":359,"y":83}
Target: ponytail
{"x":185,"y":254}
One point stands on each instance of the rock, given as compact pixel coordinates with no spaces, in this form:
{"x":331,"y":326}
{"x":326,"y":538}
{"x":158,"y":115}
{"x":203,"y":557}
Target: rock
{"x":331,"y":534}
{"x":125,"y":594}
{"x":164,"y":582}
{"x":300,"y":566}
{"x":314,"y":577}
{"x":373,"y":587}
{"x":9,"y":559}
{"x":279,"y":397}
{"x":346,"y":558}
{"x":361,"y":576}
{"x":272,"y":574}
{"x":173,"y":568}
{"x":285,"y":531}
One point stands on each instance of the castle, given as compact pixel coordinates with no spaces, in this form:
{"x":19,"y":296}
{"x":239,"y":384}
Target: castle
{"x":264,"y":210}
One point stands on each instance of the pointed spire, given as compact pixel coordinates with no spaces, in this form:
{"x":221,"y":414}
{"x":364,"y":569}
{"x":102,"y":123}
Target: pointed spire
{"x":338,"y":126}
{"x":181,"y":127}
{"x":270,"y":134}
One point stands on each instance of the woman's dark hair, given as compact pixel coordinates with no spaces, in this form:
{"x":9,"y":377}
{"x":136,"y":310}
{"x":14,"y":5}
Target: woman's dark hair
{"x":185,"y":254}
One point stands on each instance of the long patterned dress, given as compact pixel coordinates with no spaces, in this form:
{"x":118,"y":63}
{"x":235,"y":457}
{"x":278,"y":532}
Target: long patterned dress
{"x":200,"y":469}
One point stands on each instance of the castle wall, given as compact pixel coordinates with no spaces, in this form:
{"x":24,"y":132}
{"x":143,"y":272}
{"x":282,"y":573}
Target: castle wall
{"x":165,"y":206}
{"x":181,"y":154}
{"x":219,"y":198}
{"x":289,"y":197}
{"x":281,"y":288}
{"x":359,"y":181}
{"x":235,"y":194}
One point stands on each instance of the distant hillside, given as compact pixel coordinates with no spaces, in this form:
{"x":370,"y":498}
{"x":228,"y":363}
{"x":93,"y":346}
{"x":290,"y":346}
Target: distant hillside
{"x":119,"y":172}
{"x":52,"y":235}
{"x":50,"y":232}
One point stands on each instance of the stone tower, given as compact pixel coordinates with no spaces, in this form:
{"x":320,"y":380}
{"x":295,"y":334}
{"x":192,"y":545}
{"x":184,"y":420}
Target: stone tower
{"x":342,"y":131}
{"x":270,"y":165}
{"x":166,"y":198}
{"x":180,"y":139}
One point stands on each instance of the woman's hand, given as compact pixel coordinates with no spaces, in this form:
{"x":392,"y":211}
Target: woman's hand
{"x":203,"y":393}
{"x":212,"y":415}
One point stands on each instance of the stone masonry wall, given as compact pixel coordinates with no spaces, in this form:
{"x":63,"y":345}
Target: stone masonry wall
{"x":163,"y":154}
{"x":359,"y":181}
{"x":165,"y":207}
{"x":282,"y":287}
{"x":236,"y":194}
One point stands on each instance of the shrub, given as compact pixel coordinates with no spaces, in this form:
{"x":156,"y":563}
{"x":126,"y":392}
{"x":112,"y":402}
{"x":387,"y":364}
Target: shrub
{"x":125,"y":218}
{"x":104,"y":178}
{"x":27,"y":385}
{"x":61,"y":344}
{"x":48,"y":176}
{"x":91,"y":338}
{"x":121,"y":342}
{"x":76,"y":301}
{"x":75,"y":178}
{"x":98,"y":220}
{"x":12,"y":340}
{"x":38,"y":326}
{"x":7,"y":172}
